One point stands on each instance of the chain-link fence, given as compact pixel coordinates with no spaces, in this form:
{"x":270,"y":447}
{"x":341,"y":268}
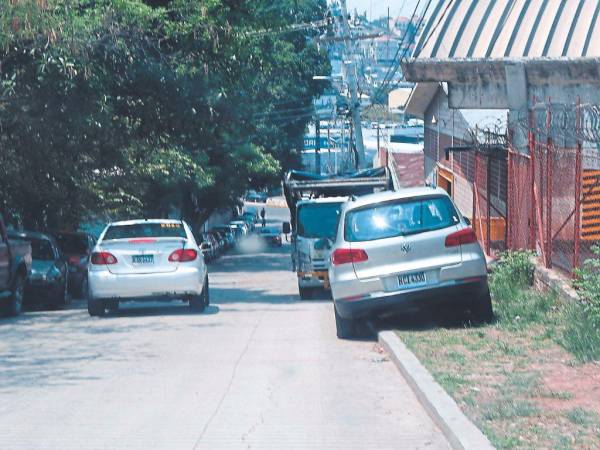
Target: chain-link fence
{"x":554,"y":187}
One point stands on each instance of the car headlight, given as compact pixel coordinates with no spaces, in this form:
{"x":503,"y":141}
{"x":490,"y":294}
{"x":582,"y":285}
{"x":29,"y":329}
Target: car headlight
{"x":38,"y":276}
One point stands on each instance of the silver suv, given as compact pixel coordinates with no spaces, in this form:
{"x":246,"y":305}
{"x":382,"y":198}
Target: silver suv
{"x":397,"y":251}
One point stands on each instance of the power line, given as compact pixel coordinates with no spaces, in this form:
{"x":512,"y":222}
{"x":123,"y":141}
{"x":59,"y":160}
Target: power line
{"x":394,"y":67}
{"x":436,"y":25}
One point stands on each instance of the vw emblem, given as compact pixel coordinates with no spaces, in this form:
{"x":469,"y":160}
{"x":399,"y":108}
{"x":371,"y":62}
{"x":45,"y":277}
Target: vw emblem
{"x":405,"y":248}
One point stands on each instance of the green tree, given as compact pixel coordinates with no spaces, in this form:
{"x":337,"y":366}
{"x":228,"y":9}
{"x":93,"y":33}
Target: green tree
{"x":121,"y":107}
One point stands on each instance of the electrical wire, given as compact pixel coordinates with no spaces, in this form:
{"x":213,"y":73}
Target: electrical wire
{"x":433,"y":30}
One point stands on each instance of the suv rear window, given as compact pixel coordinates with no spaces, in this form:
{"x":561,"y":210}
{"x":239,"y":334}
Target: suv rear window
{"x":399,"y":218}
{"x":145,"y":230}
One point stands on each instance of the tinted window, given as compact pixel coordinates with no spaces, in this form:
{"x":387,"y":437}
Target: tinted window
{"x":145,"y":230}
{"x":72,"y":244}
{"x":400,"y":218}
{"x":41,"y":250}
{"x":318,"y":220}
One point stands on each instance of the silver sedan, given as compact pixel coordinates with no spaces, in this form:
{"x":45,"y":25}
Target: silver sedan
{"x":144,"y":260}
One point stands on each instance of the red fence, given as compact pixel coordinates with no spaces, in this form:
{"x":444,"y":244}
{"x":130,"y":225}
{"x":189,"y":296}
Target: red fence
{"x":554,"y":192}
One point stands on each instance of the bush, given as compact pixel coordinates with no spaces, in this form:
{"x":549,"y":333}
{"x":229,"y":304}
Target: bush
{"x":581,"y":335}
{"x":510,"y":286}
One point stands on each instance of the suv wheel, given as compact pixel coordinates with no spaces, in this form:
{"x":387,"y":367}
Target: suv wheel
{"x":15,"y":305}
{"x":96,"y":307}
{"x":346,"y":328}
{"x":481,"y":308}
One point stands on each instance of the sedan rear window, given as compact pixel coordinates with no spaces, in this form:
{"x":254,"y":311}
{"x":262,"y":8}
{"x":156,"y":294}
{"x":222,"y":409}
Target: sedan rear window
{"x":400,"y":218}
{"x":145,"y":230}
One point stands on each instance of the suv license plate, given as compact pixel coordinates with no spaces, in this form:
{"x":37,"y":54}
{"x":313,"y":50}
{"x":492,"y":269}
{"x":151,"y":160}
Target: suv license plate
{"x":411,"y":280}
{"x":143,"y":259}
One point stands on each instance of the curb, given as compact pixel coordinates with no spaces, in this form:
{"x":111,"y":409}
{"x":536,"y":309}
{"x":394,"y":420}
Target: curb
{"x":460,"y":432}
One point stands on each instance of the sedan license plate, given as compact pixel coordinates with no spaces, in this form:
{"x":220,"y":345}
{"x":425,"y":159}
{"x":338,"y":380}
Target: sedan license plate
{"x":143,"y":259}
{"x":412,"y":280}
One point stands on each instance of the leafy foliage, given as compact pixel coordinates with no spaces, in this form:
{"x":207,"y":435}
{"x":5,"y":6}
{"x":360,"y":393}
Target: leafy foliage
{"x":515,"y":303}
{"x":581,"y":335}
{"x":113,"y":108}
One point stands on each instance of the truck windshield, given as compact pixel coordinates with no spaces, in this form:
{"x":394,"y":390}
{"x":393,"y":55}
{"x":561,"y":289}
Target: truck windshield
{"x":318,"y":220}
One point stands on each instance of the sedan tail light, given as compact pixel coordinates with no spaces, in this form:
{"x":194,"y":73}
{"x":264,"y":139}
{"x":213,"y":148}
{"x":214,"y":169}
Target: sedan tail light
{"x":462,"y":237}
{"x":183,"y":255}
{"x":103,"y":259}
{"x":348,"y":255}
{"x":74,"y":260}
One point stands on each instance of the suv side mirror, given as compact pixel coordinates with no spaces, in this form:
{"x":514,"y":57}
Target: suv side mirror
{"x":287,"y":228}
{"x":467,"y":220}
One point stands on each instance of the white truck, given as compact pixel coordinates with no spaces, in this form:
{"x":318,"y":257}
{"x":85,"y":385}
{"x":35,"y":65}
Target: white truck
{"x":315,"y":202}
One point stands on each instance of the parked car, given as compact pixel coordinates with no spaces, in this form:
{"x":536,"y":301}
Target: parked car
{"x":272,"y":236}
{"x":228,"y":233}
{"x":48,"y":284}
{"x":145,"y":260}
{"x":15,"y":268}
{"x":77,"y":248}
{"x":208,"y":246}
{"x":403,"y":250}
{"x":241,"y":228}
{"x":219,"y":240}
{"x":256,"y":197}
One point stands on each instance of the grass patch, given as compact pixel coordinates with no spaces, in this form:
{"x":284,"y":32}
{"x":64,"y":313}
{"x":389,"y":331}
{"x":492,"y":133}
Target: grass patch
{"x":450,"y":382}
{"x":509,"y":409}
{"x":581,"y":335}
{"x":501,"y":374}
{"x":581,"y":416}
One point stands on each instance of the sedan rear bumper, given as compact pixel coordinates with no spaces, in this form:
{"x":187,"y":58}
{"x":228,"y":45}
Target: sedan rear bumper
{"x":184,"y":282}
{"x":457,"y":293}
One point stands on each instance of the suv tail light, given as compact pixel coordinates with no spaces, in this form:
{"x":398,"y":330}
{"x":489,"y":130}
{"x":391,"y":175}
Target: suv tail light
{"x":348,"y":255}
{"x":183,"y":255}
{"x":103,"y":259}
{"x":462,"y":237}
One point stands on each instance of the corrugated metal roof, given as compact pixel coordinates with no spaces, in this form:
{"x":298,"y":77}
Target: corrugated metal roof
{"x":511,"y":29}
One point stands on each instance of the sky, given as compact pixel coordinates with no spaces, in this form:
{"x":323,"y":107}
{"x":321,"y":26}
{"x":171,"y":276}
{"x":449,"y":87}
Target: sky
{"x":379,"y":7}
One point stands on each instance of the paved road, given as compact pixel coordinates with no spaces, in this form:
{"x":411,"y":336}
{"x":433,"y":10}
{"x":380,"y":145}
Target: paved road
{"x":259,"y":369}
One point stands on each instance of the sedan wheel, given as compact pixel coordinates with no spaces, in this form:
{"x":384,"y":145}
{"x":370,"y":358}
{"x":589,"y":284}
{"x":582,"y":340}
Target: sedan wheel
{"x":96,"y":307}
{"x":16,"y":300}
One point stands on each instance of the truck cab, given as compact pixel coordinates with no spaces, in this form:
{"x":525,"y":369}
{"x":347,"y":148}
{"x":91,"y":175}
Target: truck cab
{"x":316,"y":225}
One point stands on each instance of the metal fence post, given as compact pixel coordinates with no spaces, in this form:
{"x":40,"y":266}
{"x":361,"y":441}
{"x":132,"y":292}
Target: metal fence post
{"x":549,"y":185}
{"x":488,"y":225}
{"x":510,"y":195}
{"x":578,"y":188}
{"x":532,"y":144}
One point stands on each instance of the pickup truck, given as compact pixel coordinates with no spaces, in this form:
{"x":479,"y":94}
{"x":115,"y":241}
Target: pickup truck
{"x":15,"y":267}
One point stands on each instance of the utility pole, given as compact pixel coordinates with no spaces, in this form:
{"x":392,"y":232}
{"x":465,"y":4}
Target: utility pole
{"x":353,"y":86}
{"x":318,"y":145}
